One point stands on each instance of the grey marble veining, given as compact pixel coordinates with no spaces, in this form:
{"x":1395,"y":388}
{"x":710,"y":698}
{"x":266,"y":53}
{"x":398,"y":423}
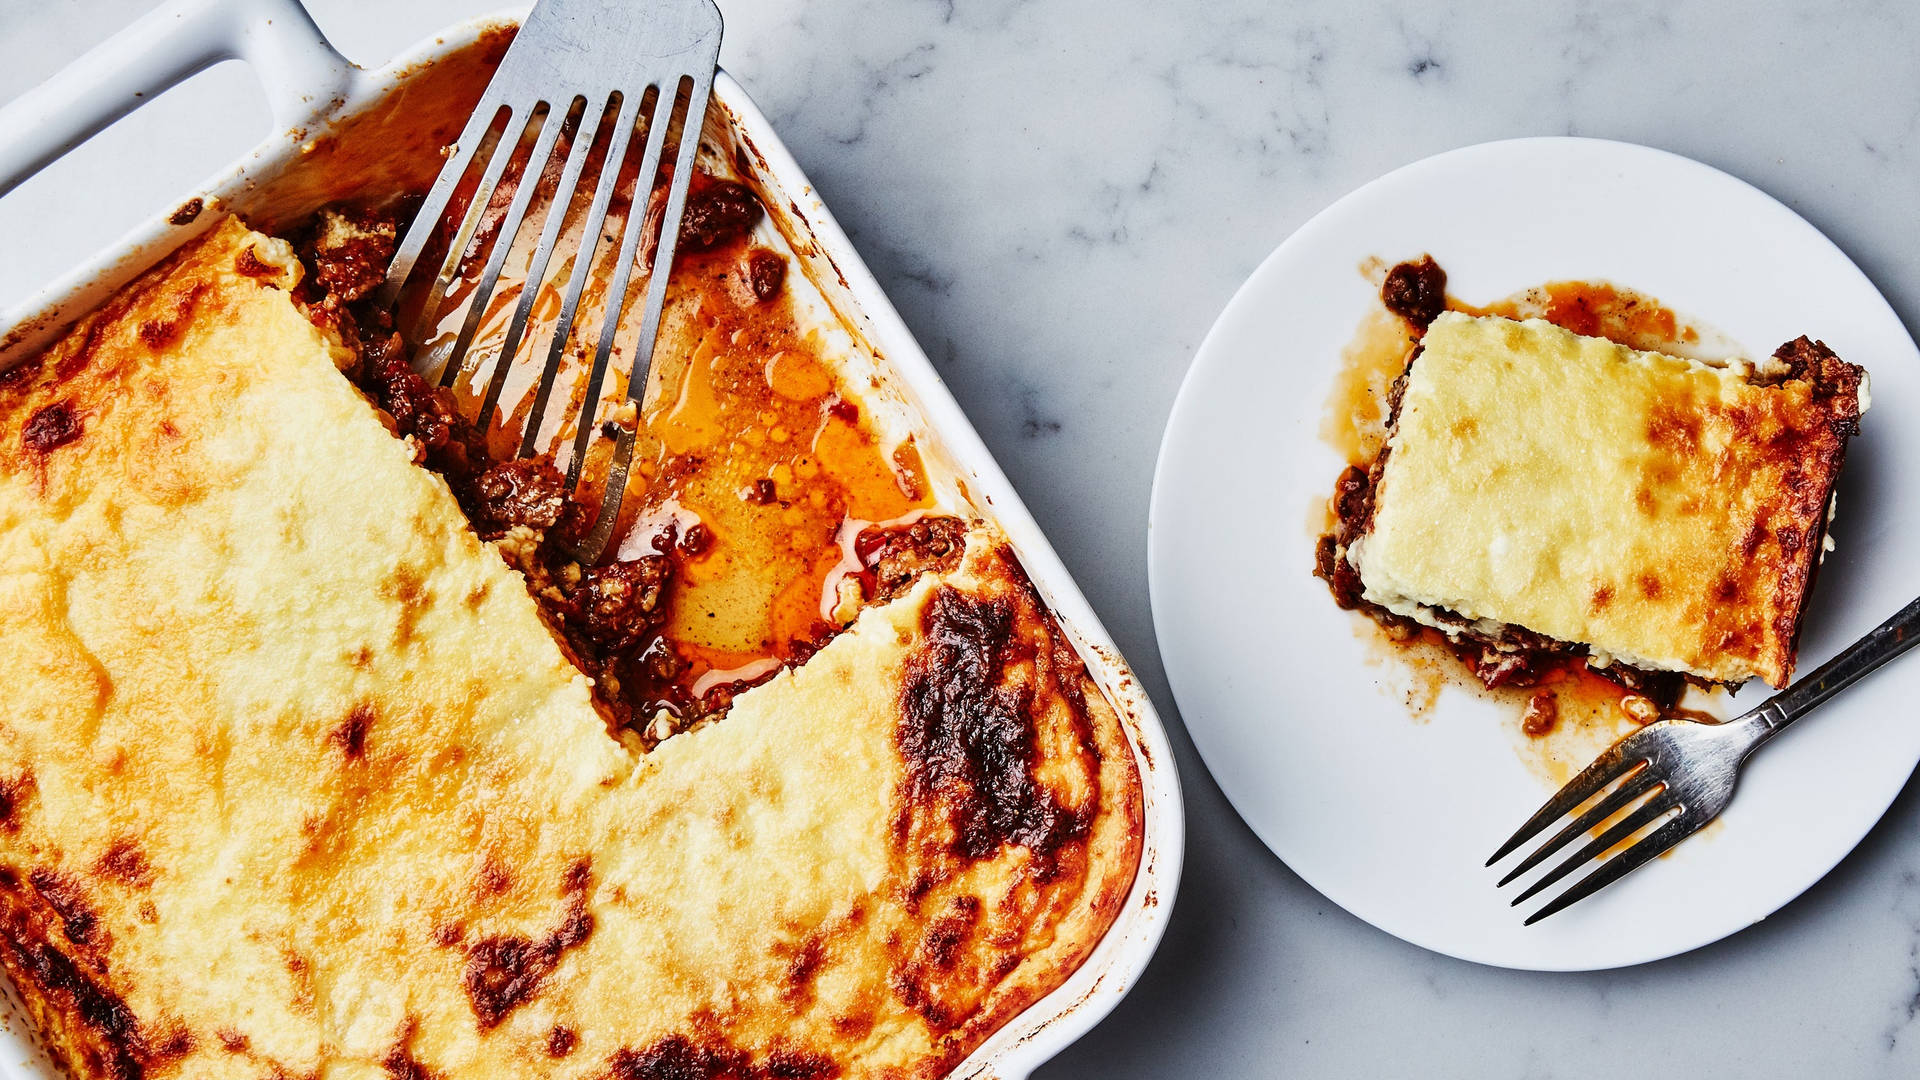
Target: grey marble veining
{"x":1060,"y":196}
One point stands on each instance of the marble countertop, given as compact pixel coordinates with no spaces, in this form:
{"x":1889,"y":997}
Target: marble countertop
{"x":1060,"y":195}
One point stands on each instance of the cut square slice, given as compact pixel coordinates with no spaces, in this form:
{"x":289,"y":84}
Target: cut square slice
{"x":1664,"y":513}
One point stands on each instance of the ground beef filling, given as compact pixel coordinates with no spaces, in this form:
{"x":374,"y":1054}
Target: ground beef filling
{"x":1416,"y":291}
{"x":892,"y":558}
{"x":609,"y":616}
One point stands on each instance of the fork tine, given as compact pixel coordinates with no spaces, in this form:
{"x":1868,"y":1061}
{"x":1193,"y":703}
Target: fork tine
{"x":618,"y":140}
{"x":610,"y":497}
{"x":622,"y":272}
{"x":1648,"y":846}
{"x":523,"y":192}
{"x":444,"y":185}
{"x":1637,"y":784}
{"x":1610,"y":764}
{"x":561,"y":199}
{"x":1642,"y":816}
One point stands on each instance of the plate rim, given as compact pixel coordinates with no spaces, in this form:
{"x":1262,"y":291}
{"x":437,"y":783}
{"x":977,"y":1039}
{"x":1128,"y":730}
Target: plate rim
{"x":1183,"y":404}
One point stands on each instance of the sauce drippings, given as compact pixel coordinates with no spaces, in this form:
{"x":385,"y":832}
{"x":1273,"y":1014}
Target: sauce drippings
{"x":753,"y":467}
{"x":1588,"y":711}
{"x":1355,"y":420}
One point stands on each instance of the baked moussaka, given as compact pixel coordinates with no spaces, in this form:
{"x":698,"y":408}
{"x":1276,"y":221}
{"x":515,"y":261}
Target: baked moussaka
{"x":314,"y":761}
{"x":1543,"y":493}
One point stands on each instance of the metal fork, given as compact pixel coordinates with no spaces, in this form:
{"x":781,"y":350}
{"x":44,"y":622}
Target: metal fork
{"x":1679,"y":773}
{"x":600,"y":57}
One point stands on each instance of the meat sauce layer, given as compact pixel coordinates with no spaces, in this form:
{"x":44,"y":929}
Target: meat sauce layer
{"x":762,"y":513}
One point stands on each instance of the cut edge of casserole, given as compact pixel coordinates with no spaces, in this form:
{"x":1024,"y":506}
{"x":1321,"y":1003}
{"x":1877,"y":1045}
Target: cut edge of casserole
{"x":294,"y":777}
{"x":1656,"y":512}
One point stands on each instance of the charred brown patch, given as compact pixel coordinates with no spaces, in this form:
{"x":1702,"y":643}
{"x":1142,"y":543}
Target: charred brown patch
{"x":854,"y":1025}
{"x":51,"y":427}
{"x":1675,"y":430}
{"x":941,"y":945}
{"x":561,"y":1041}
{"x":1835,"y":383}
{"x":124,"y":862}
{"x":233,"y":1042}
{"x":103,"y":323}
{"x":351,"y":735}
{"x":784,"y":1064}
{"x":400,"y":1064}
{"x":578,"y":877}
{"x":160,"y":332}
{"x":931,"y":961}
{"x":505,"y":971}
{"x":806,"y":962}
{"x":171,"y":1044}
{"x":187,"y":212}
{"x":98,"y":1009}
{"x":79,"y":921}
{"x":447,"y":935}
{"x":1602,"y":596}
{"x":966,"y":732}
{"x":13,"y":798}
{"x":1651,"y":587}
{"x":493,"y":879}
{"x":22,"y":373}
{"x":678,"y":1057}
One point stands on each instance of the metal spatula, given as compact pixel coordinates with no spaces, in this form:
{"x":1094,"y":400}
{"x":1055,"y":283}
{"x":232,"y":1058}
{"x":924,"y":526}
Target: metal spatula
{"x":599,"y":59}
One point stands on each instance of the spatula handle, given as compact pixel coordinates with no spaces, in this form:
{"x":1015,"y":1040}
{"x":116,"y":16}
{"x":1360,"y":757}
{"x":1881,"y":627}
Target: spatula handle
{"x":302,"y":74}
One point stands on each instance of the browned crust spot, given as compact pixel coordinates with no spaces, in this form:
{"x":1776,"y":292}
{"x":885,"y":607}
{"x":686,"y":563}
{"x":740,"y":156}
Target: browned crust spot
{"x":351,"y":735}
{"x":124,"y":862}
{"x":505,"y":971}
{"x":966,"y":735}
{"x":677,"y":1057}
{"x":13,"y":797}
{"x":51,"y":427}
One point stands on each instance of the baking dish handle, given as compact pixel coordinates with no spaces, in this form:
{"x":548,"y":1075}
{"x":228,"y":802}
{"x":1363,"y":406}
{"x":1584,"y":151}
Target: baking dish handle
{"x":302,"y":74}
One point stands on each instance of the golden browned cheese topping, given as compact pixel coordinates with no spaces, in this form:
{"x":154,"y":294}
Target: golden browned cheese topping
{"x":296,"y":781}
{"x":1656,"y":510}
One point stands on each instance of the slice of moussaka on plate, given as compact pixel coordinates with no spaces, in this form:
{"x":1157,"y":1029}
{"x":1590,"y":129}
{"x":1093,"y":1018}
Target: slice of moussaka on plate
{"x":300,"y":778}
{"x":1542,"y":489}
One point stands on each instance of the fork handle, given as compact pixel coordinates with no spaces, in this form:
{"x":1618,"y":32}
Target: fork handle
{"x":1883,"y":643}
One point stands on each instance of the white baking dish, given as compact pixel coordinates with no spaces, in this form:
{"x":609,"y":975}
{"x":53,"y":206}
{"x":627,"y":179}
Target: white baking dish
{"x":323,"y":107}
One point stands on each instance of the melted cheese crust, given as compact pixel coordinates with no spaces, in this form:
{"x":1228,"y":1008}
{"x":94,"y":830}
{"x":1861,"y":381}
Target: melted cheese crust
{"x":1661,"y":511}
{"x":294,"y":781}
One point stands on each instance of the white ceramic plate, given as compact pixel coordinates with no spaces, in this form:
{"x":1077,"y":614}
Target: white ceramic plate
{"x":1291,"y":708}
